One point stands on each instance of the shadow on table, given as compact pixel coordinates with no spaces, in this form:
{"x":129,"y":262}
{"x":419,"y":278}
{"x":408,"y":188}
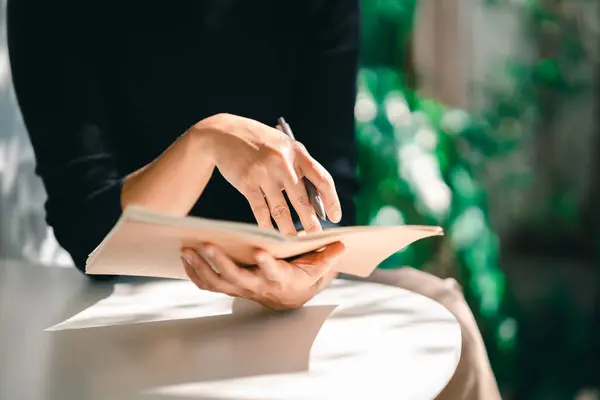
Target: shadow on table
{"x":91,"y":292}
{"x":124,"y":360}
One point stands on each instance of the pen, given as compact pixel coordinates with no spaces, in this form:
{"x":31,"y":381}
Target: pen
{"x":313,"y":193}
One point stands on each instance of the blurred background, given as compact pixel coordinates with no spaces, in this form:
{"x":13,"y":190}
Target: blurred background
{"x":482,"y":116}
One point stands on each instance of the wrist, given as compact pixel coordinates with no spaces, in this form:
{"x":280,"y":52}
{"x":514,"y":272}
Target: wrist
{"x":202,"y":140}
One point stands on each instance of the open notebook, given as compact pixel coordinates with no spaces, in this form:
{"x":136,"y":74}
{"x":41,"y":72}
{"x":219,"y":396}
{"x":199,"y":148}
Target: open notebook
{"x":147,"y":243}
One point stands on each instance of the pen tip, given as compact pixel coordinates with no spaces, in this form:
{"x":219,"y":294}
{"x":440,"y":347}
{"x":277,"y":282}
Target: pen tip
{"x":320,"y":211}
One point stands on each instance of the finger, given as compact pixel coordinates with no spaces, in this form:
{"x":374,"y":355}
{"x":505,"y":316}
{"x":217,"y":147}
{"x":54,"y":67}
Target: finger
{"x":268,"y":265}
{"x":206,"y":274}
{"x":299,"y":198}
{"x":230,"y":271}
{"x":279,"y":209}
{"x":260,"y":209}
{"x":191,"y":273}
{"x":323,"y":181}
{"x":318,"y":263}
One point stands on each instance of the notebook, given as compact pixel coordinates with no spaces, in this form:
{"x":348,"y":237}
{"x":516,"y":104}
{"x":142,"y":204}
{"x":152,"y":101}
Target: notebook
{"x":146,"y":243}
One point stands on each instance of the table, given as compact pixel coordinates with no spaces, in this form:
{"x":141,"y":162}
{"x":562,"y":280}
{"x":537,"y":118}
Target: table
{"x":62,"y":337}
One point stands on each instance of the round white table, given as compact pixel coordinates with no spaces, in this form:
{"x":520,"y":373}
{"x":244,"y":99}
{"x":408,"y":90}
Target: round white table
{"x":62,"y":337}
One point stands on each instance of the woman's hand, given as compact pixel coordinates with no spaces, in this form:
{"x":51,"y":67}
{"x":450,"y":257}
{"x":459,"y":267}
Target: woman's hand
{"x":261,"y":162}
{"x":276,"y":284}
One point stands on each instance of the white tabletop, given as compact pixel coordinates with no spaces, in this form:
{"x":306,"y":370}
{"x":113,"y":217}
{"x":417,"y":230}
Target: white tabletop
{"x":62,"y":337}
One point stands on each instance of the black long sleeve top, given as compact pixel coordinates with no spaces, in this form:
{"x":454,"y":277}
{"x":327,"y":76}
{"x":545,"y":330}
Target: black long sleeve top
{"x":105,"y":88}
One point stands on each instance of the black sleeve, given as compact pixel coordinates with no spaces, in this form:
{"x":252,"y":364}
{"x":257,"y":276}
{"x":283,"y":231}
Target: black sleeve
{"x":324,"y":95}
{"x":55,"y":66}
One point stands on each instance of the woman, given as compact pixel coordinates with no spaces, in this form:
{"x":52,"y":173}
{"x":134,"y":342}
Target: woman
{"x":107,"y":108}
{"x":141,"y":105}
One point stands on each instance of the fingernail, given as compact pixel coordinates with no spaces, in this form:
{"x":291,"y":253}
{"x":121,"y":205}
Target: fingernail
{"x":208,"y":254}
{"x":260,"y":257}
{"x":208,"y":251}
{"x":337,"y":216}
{"x":187,"y":257}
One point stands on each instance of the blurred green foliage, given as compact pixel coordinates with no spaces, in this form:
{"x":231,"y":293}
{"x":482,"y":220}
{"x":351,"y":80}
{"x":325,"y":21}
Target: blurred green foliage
{"x":419,"y":160}
{"x":416,"y":163}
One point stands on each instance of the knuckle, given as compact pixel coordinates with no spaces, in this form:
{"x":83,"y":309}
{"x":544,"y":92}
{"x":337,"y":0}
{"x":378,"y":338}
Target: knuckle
{"x":278,"y":159}
{"x":264,"y":166}
{"x":335,"y":204}
{"x":323,"y":178}
{"x":299,"y":147}
{"x":280,"y":211}
{"x":270,"y":164}
{"x":285,"y":142}
{"x":260,"y":176}
{"x":247,"y":179}
{"x":448,"y":293}
{"x":453,"y":287}
{"x":281,"y":154}
{"x":304,"y":201}
{"x":261,"y":210}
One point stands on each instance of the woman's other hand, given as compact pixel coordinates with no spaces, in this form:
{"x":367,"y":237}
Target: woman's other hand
{"x":276,"y":284}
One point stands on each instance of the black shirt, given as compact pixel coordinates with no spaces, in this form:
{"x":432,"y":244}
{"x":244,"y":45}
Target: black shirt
{"x":104,"y":89}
